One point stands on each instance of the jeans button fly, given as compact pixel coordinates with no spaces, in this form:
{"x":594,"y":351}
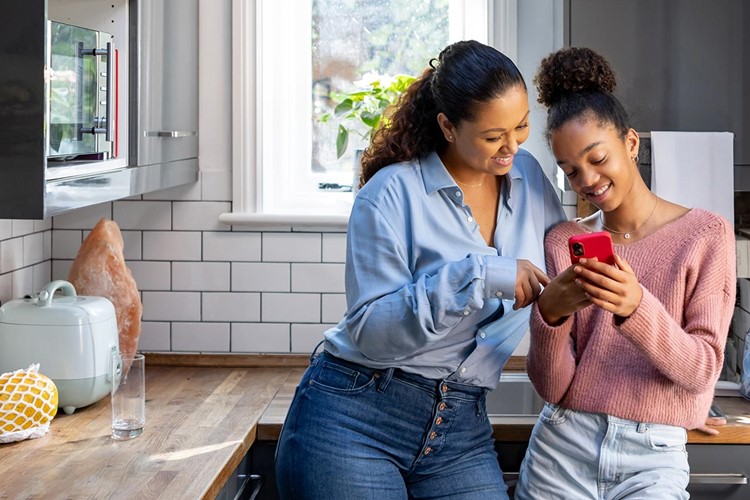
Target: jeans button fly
{"x":441,"y":406}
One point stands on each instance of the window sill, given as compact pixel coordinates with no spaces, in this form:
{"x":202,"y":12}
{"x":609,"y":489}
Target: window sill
{"x":289,"y":222}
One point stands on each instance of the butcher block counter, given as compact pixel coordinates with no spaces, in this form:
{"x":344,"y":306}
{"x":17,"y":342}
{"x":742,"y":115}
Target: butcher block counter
{"x":200,"y":423}
{"x":201,"y":420}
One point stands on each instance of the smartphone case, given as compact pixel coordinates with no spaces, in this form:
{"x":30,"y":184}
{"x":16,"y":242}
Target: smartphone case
{"x":590,"y":245}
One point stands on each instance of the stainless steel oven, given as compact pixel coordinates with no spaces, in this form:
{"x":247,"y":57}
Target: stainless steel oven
{"x":81,"y":93}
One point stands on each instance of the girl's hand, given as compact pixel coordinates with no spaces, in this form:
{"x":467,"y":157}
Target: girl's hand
{"x":614,"y":289}
{"x":561,"y":298}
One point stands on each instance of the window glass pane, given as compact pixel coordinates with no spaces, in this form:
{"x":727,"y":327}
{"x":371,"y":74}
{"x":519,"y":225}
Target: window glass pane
{"x":357,"y":41}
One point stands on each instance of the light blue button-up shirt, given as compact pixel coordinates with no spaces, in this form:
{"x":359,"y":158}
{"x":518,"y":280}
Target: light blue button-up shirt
{"x":424,"y":291}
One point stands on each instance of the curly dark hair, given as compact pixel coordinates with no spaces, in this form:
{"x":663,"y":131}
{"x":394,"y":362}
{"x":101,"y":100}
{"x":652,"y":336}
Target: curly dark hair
{"x":464,"y":75}
{"x":576,"y":81}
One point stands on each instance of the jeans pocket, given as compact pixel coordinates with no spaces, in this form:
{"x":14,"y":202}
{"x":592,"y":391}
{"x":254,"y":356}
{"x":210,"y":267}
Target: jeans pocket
{"x":553,"y":414}
{"x":335,"y":378}
{"x":666,"y":437}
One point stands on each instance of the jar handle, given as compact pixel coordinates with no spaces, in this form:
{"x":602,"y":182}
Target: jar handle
{"x":45,"y":296}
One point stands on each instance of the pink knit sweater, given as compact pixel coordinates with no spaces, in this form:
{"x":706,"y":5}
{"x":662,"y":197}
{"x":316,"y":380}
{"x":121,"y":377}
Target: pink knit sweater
{"x":660,"y":364}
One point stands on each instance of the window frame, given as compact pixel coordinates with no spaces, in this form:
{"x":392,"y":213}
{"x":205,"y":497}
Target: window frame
{"x":247,"y":105}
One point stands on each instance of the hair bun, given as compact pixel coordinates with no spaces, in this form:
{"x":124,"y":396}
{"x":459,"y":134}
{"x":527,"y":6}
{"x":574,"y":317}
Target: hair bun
{"x":571,"y":70}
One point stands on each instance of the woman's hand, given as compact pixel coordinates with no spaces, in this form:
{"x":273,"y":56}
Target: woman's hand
{"x":614,"y":289}
{"x":529,"y":282}
{"x":561,"y":298}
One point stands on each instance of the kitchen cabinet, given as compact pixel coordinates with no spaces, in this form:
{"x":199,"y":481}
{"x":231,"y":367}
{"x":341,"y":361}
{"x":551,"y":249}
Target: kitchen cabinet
{"x":32,"y":185}
{"x":164,"y":98}
{"x":719,"y":471}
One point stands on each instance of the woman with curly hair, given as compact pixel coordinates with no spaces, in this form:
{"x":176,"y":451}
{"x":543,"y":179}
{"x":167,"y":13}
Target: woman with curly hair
{"x":444,"y":249}
{"x":626,"y":356}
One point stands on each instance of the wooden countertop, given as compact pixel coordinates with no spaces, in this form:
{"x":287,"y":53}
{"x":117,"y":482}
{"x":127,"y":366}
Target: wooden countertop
{"x":200,"y":422}
{"x":736,"y":431}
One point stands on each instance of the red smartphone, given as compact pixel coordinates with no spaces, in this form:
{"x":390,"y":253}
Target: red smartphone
{"x":590,"y":245}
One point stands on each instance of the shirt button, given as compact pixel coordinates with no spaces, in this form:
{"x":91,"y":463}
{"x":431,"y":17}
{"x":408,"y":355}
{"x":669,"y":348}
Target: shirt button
{"x":482,"y":335}
{"x":463,"y":370}
{"x":470,"y":218}
{"x":498,"y":294}
{"x":466,"y":313}
{"x":427,"y":451}
{"x":441,"y":406}
{"x":458,"y":193}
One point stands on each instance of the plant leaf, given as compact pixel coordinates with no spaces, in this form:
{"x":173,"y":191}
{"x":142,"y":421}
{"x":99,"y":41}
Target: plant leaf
{"x":342,"y":141}
{"x":370,"y":119}
{"x":344,"y":107}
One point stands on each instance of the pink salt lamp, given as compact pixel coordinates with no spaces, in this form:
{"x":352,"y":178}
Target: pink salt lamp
{"x":99,"y":269}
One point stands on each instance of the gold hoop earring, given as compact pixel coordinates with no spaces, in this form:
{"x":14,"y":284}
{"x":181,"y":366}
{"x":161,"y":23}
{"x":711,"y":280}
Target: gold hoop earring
{"x":635,"y":159}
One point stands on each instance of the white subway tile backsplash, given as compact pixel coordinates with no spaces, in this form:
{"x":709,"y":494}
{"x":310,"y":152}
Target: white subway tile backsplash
{"x":260,"y":277}
{"x":83,"y":218}
{"x":6,"y":229}
{"x":213,"y":337}
{"x":291,"y":247}
{"x":231,"y":307}
{"x":334,"y":247}
{"x":22,"y":227}
{"x":23,"y":282}
{"x":143,"y":214}
{"x":60,"y":269}
{"x":33,"y":249}
{"x":217,"y":185}
{"x":200,"y":215}
{"x":318,"y":278}
{"x":66,"y":243}
{"x":155,"y":336}
{"x":41,"y":275}
{"x":171,"y":245}
{"x":42,"y":225}
{"x":133,"y":244}
{"x":151,"y":275}
{"x":47,"y":245}
{"x":333,"y":307}
{"x":171,"y":306}
{"x":306,"y":337}
{"x":6,"y":287}
{"x":231,"y":246}
{"x":200,"y":276}
{"x":11,"y":255}
{"x":290,"y":307}
{"x":260,"y":337}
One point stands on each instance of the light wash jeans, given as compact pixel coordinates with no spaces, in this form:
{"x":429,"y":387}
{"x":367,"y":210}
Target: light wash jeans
{"x":354,"y":433}
{"x":574,"y":454}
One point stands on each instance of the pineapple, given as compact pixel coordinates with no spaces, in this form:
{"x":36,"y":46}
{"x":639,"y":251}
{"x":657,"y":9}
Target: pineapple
{"x":28,"y":403}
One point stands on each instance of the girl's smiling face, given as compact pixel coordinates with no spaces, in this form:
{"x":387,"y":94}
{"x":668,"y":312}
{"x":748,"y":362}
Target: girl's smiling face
{"x":597,"y":161}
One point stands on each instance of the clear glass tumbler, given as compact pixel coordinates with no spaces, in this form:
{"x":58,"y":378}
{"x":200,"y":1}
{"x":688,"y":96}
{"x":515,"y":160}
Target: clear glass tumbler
{"x":128,"y":395}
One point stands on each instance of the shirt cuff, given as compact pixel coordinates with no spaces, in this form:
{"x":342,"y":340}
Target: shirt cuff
{"x":500,"y":277}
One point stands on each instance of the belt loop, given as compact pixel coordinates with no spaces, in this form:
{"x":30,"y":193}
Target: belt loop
{"x":312,"y":356}
{"x":642,"y":427}
{"x":385,"y":379}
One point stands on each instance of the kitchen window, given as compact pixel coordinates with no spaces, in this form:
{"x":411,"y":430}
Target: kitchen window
{"x":291,"y":56}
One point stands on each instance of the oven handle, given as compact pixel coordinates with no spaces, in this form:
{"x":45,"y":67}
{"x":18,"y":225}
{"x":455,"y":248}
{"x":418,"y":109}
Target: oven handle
{"x":110,"y":109}
{"x":108,"y":128}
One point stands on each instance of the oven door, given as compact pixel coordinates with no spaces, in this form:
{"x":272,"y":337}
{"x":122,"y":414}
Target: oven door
{"x":80,"y":93}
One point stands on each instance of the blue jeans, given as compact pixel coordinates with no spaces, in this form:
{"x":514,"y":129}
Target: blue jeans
{"x":575,"y":454}
{"x":355,"y":433}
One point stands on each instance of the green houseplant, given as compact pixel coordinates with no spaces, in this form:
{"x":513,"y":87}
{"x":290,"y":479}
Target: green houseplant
{"x":361,"y":110}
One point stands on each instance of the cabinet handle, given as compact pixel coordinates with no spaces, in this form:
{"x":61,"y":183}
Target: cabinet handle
{"x":170,"y":133}
{"x":728,"y":478}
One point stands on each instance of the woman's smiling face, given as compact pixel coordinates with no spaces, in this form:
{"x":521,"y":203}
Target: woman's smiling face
{"x":597,"y":161}
{"x":489,"y":142}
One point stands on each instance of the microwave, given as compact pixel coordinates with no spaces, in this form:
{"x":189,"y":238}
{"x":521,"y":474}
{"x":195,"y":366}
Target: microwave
{"x":81,"y":94}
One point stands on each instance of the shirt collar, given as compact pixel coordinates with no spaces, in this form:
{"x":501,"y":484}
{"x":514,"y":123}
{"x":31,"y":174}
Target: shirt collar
{"x":435,"y":176}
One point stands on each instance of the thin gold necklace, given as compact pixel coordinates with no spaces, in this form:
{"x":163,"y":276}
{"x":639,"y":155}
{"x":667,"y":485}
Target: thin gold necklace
{"x":469,"y":185}
{"x":626,"y":234}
